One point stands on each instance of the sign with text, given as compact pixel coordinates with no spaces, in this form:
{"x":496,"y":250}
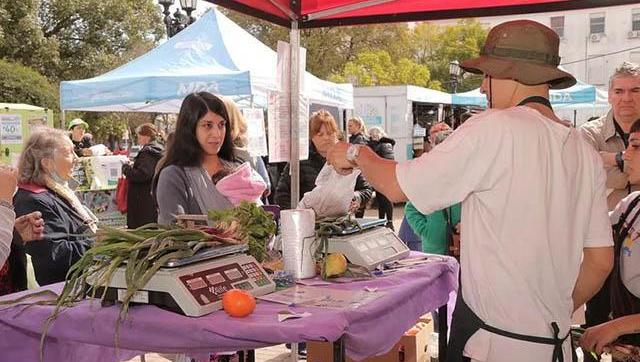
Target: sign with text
{"x":11,"y":129}
{"x":256,"y":133}
{"x":279,"y":109}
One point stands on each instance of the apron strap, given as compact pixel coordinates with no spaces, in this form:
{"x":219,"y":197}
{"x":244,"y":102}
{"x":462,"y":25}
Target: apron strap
{"x":536,"y":99}
{"x":465,"y":323}
{"x":556,"y":341}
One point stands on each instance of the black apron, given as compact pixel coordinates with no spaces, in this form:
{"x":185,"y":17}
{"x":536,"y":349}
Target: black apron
{"x":466,"y":323}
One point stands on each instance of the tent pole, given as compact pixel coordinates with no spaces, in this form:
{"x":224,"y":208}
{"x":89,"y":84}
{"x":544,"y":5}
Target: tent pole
{"x":294,"y":96}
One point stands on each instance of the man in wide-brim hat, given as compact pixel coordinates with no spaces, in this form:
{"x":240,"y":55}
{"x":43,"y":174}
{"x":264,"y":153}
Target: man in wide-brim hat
{"x":536,"y":241}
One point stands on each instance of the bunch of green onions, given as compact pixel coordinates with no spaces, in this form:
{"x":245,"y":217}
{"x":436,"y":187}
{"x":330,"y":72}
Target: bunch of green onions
{"x":140,"y":251}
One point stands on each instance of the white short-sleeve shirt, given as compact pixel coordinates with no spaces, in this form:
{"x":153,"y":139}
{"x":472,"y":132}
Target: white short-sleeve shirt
{"x":533,"y":196}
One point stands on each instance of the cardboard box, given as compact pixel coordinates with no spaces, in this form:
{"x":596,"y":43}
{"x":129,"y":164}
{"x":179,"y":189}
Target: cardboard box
{"x":411,"y":347}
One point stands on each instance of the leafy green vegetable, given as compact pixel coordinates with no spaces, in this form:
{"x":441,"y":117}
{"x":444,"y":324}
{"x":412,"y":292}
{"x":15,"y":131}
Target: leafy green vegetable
{"x":251,"y":223}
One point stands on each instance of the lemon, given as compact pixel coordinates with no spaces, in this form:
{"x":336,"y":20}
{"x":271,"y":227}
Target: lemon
{"x":335,"y":264}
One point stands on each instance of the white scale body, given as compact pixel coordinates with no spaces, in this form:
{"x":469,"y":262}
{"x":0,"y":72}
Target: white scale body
{"x":370,"y":247}
{"x":197,"y":288}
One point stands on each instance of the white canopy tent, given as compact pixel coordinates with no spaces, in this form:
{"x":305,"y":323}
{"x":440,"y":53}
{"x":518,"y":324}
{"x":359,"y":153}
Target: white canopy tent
{"x":213,"y":54}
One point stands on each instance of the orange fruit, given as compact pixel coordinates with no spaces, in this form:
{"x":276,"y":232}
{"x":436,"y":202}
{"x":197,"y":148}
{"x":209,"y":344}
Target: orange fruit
{"x":238,"y":303}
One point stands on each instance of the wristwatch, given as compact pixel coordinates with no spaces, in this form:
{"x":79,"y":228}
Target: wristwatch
{"x":620,"y":161}
{"x":352,"y":154}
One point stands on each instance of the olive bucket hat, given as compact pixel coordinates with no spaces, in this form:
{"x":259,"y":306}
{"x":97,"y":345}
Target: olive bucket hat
{"x":523,"y":50}
{"x":77,"y":121}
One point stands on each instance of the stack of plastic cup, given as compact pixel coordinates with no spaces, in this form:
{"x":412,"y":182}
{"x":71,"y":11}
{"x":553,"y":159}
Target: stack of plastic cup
{"x":297,"y":228}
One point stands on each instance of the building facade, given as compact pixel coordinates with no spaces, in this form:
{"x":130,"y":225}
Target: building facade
{"x":593,"y":42}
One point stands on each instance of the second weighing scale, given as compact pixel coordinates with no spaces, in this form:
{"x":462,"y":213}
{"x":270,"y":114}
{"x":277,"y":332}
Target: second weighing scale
{"x":369,"y":245}
{"x":194,"y":286}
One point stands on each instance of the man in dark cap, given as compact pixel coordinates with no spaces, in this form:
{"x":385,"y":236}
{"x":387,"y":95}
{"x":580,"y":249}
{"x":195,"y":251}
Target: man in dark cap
{"x":535,"y":236}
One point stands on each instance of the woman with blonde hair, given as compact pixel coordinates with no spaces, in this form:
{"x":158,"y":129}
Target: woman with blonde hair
{"x":357,"y":131}
{"x":323,"y":132}
{"x":45,"y":168}
{"x":239,"y":129}
{"x":141,"y":208}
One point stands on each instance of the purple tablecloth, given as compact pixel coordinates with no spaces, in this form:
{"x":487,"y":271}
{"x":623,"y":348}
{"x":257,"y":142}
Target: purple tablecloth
{"x":86,"y":331}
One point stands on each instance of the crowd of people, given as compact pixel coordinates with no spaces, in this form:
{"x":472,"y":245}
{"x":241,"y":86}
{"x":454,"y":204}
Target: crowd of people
{"x":543,"y":217}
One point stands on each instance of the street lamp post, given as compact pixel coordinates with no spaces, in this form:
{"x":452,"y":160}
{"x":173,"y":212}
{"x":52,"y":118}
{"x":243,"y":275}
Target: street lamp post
{"x":454,"y":73}
{"x":179,"y":20}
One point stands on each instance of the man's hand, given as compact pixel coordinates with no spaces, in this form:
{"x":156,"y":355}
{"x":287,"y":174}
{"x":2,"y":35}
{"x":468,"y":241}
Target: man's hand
{"x":9,"y":177}
{"x":86,"y":152}
{"x":354,"y":206}
{"x":596,"y":338}
{"x":30,"y":226}
{"x":608,"y":158}
{"x":337,"y":157}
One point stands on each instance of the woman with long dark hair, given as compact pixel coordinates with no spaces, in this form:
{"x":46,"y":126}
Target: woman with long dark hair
{"x":201,"y":149}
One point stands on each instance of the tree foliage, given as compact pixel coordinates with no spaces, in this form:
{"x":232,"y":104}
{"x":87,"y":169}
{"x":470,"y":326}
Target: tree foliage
{"x":436,"y":46}
{"x":22,"y":84}
{"x":377,"y":68}
{"x":381,"y":54}
{"x":329,"y":49}
{"x":73,"y":39}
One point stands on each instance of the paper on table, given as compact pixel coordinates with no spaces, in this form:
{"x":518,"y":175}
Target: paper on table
{"x":283,"y":315}
{"x":302,"y":295}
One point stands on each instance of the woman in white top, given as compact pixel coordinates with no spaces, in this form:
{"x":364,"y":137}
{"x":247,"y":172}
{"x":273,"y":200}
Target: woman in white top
{"x":624,"y":328}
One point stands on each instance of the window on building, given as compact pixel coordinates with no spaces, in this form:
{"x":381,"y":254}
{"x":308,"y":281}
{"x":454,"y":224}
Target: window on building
{"x":596,"y":24}
{"x":557,"y":24}
{"x":635,"y":19}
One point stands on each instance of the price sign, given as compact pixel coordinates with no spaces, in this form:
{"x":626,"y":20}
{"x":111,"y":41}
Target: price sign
{"x":10,"y":129}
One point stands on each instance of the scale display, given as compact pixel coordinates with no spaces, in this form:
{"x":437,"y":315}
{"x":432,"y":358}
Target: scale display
{"x":209,"y":285}
{"x":369,"y":248}
{"x":196,"y":289}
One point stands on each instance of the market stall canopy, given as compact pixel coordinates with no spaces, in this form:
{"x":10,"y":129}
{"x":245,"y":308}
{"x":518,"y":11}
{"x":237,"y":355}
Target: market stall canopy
{"x":315,"y":13}
{"x":410,"y":92}
{"x":214,"y":54}
{"x":578,"y":113}
{"x":21,"y":107}
{"x":578,"y":94}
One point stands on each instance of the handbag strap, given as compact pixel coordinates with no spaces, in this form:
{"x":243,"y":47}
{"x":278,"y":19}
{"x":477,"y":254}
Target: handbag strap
{"x":619,"y":228}
{"x":450,"y":229}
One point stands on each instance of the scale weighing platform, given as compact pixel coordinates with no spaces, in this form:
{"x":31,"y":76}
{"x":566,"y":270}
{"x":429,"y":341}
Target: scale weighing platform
{"x":369,"y":245}
{"x":194,"y":286}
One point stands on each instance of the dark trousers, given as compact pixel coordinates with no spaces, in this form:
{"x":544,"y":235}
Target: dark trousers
{"x":599,"y":307}
{"x":385,"y":208}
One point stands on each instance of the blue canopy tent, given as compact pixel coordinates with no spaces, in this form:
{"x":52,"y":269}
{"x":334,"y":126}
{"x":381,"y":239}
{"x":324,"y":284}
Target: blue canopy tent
{"x":578,"y":94}
{"x":214,"y":54}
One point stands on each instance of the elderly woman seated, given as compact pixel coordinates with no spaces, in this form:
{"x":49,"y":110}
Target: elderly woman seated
{"x":45,"y":168}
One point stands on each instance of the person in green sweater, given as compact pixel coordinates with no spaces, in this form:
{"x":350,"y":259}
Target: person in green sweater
{"x":432,"y":228}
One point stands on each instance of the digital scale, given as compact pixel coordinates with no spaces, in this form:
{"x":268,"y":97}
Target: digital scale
{"x":369,"y":245}
{"x":194,"y":286}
